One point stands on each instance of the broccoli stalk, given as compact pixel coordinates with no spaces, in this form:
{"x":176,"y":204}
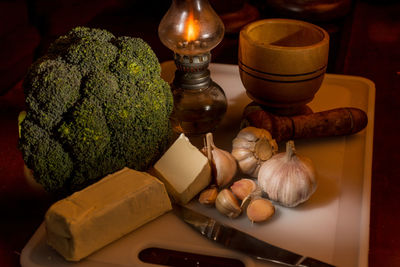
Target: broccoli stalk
{"x":95,"y":104}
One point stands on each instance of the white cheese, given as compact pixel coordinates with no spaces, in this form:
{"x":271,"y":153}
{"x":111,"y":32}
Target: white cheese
{"x":103,"y":212}
{"x":184,"y":170}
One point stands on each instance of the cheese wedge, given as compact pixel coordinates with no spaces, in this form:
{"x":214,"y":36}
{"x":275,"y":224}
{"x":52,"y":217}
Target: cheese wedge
{"x":184,"y":170}
{"x":103,"y":212}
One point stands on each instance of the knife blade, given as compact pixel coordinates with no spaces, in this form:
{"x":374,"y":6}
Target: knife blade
{"x":240,"y":241}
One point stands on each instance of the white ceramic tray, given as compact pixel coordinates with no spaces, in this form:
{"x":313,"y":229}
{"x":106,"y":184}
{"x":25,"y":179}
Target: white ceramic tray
{"x":333,"y":225}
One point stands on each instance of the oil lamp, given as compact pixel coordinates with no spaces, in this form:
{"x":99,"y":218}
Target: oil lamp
{"x":191,"y":28}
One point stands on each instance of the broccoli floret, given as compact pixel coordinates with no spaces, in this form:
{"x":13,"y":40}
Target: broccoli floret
{"x":96,"y":103}
{"x":88,"y":49}
{"x":51,"y":163}
{"x":139,"y":110}
{"x":135,"y":62}
{"x":51,"y":88}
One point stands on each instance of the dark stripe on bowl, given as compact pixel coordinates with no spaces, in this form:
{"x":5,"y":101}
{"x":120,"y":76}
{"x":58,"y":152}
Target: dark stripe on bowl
{"x":280,"y":81}
{"x":283,"y":75}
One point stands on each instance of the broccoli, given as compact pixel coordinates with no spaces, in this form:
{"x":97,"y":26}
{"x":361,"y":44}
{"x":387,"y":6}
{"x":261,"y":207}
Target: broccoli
{"x":95,"y":104}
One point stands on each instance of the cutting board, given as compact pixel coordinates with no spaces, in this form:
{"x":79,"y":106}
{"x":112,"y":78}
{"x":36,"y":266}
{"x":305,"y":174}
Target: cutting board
{"x":332,"y":226}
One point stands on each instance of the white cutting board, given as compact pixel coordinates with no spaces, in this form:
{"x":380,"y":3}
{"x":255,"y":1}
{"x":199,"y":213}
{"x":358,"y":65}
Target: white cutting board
{"x":332,"y":226}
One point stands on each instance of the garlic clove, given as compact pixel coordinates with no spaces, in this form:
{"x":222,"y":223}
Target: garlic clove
{"x":243,"y":187}
{"x":208,"y":196}
{"x":288,"y":178}
{"x":259,"y":210}
{"x":223,"y":164}
{"x":227,"y":204}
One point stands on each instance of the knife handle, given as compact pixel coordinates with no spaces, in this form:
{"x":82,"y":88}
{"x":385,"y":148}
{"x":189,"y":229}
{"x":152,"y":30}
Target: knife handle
{"x":169,"y":257}
{"x":310,"y":262}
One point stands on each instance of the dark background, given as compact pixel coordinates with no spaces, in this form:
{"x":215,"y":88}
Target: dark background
{"x":365,"y":41}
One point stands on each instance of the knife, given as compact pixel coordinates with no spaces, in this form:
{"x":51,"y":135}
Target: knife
{"x":240,"y":241}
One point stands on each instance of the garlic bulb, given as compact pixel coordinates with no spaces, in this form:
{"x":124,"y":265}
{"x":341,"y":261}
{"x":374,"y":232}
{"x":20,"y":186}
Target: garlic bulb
{"x":288,"y":178}
{"x":223,"y":164}
{"x":227,"y":204}
{"x":251,"y":147}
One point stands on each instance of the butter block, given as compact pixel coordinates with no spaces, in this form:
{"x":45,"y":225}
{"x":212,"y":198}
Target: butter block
{"x":103,"y":212}
{"x":184,"y":170}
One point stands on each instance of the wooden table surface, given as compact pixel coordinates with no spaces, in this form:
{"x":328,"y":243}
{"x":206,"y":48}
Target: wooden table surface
{"x":373,"y":52}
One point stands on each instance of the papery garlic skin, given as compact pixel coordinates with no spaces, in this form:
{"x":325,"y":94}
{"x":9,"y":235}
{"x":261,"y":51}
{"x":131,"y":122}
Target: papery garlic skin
{"x":223,"y":164}
{"x":243,"y":187}
{"x":288,"y":178}
{"x":227,"y":204}
{"x":251,"y":147}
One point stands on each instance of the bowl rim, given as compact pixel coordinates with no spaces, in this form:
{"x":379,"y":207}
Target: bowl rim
{"x":244,"y":34}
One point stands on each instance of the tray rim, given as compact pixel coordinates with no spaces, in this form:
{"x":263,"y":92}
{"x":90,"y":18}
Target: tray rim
{"x":368,"y":157}
{"x":364,"y":237}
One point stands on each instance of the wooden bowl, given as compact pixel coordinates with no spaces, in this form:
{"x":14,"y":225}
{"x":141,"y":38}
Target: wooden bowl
{"x":282,"y":62}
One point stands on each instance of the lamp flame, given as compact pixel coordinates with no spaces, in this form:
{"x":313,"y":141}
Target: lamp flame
{"x":192,"y":30}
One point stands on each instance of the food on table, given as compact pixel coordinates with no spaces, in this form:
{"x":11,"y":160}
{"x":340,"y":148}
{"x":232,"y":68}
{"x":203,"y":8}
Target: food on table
{"x":223,"y":164}
{"x":259,"y":210}
{"x":208,"y":196}
{"x":95,"y":104}
{"x":227,"y":203}
{"x":184,"y":170}
{"x":243,"y":187}
{"x":251,"y":147}
{"x":103,"y":212}
{"x":288,"y":178}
